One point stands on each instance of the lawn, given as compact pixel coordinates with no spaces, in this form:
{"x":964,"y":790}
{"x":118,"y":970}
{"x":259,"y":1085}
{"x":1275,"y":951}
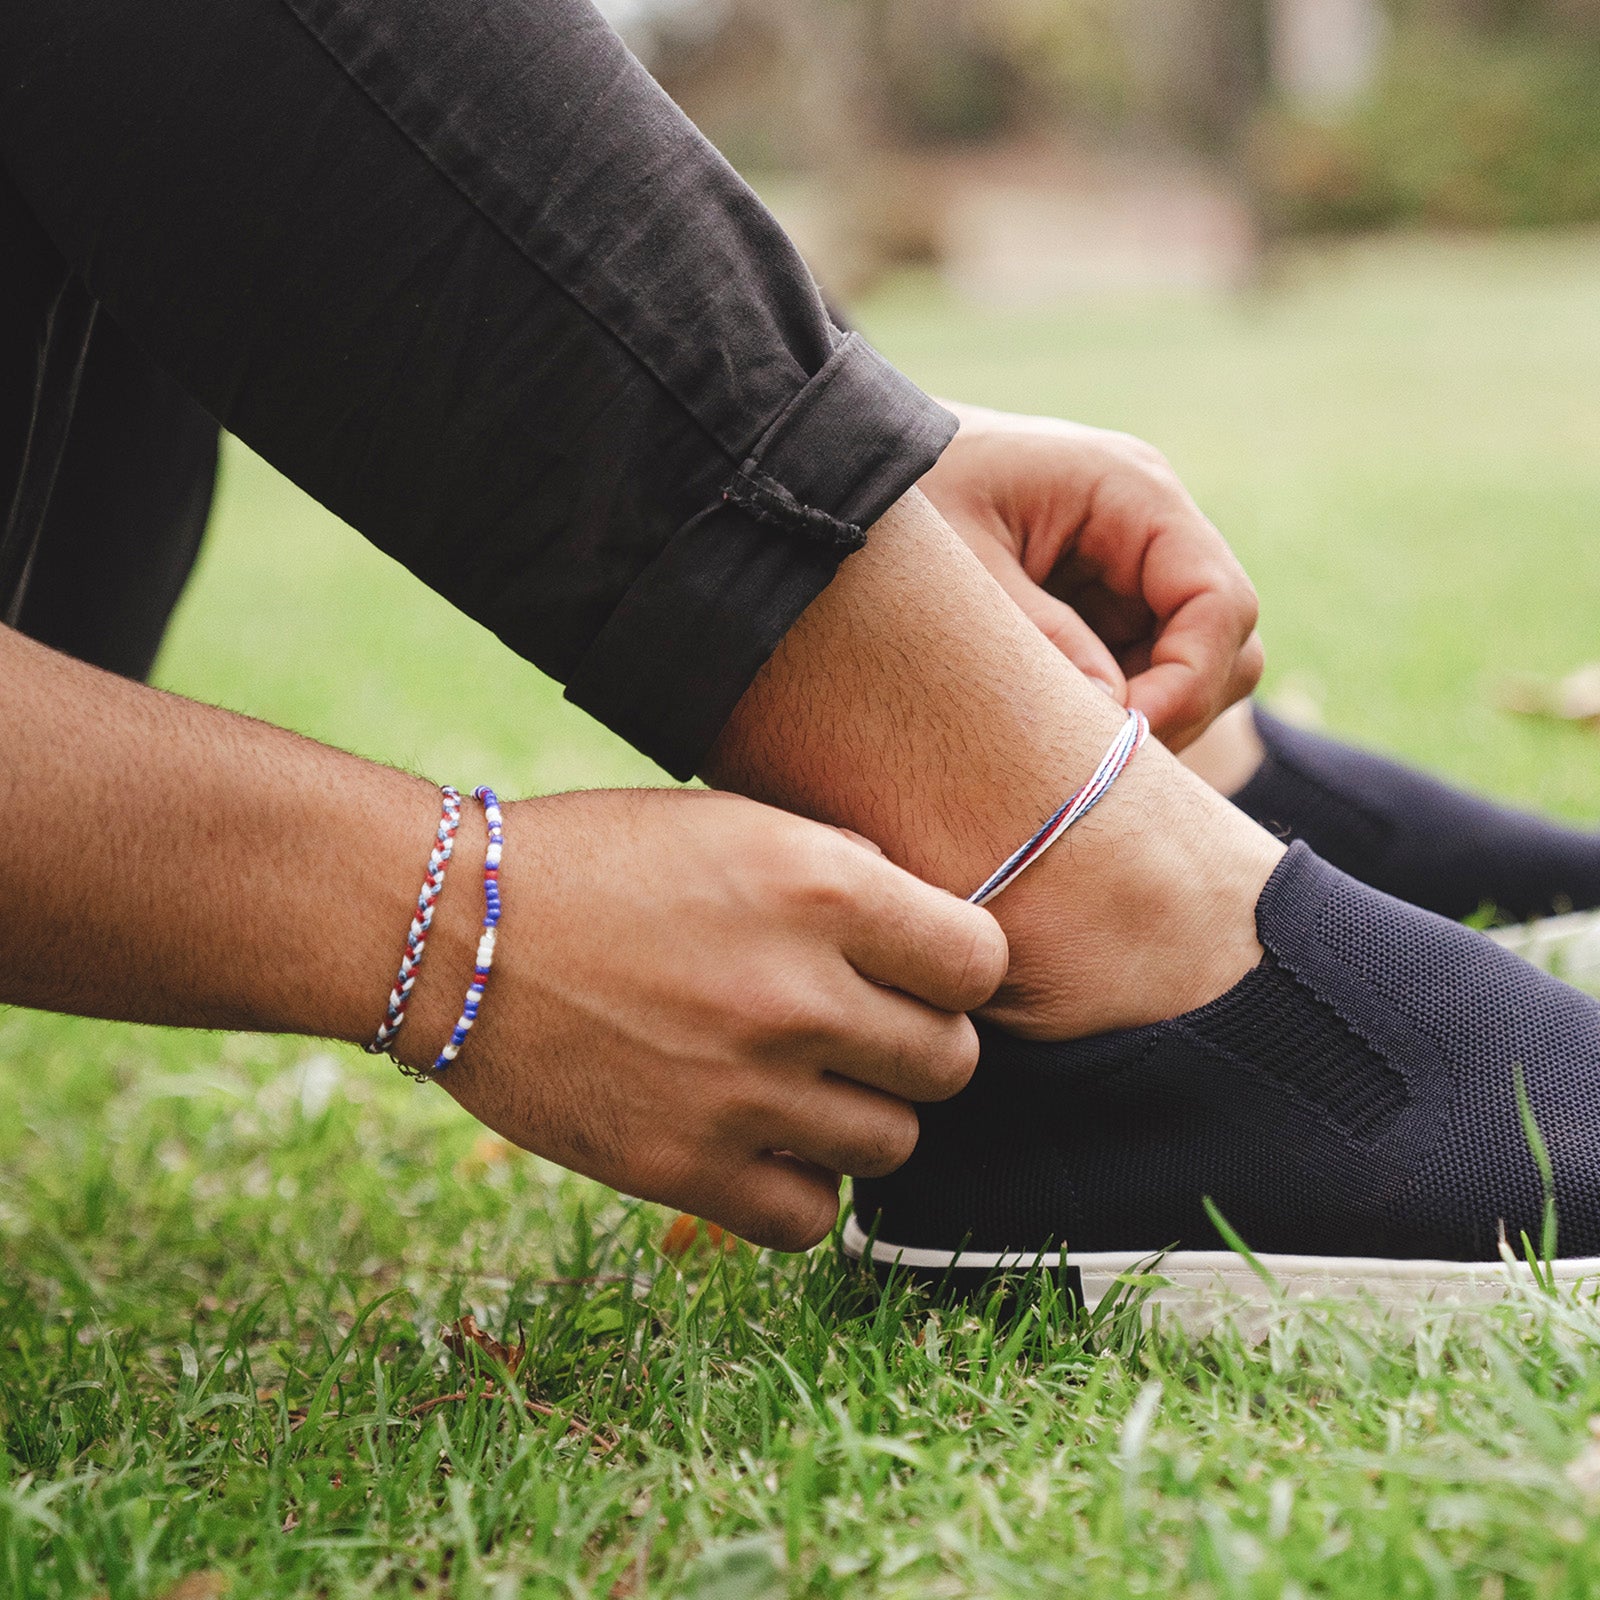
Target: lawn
{"x":225,"y":1262}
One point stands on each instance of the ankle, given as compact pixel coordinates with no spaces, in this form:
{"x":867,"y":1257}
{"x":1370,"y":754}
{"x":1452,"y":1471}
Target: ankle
{"x":1147,"y":913}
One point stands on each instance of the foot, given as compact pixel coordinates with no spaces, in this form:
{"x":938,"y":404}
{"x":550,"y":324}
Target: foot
{"x":1411,"y":835}
{"x":1349,"y":1106}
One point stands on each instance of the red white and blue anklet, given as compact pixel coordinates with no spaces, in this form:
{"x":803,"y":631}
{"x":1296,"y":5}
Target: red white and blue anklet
{"x":491,"y":921}
{"x":444,"y":843}
{"x":1123,"y":749}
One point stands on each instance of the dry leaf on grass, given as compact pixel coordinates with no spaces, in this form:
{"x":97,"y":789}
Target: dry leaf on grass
{"x":464,"y":1335}
{"x":686,"y":1233}
{"x":488,"y":1150}
{"x":1574,"y":698}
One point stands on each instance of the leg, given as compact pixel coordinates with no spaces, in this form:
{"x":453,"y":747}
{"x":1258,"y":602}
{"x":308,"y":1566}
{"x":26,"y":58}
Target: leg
{"x":127,"y":513}
{"x":641,"y":467}
{"x":498,"y":307}
{"x":915,"y":704}
{"x":1340,"y":1079}
{"x":464,"y":273}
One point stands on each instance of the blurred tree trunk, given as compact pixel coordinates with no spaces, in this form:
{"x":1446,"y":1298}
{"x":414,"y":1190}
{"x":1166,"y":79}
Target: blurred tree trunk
{"x":1202,"y":67}
{"x":1238,"y":63}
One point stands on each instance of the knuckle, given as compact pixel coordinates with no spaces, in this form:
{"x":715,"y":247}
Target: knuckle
{"x":1142,"y":452}
{"x":743,"y":1107}
{"x":811,"y":870}
{"x":886,"y":1144}
{"x":1247,"y":603}
{"x":983,"y":962}
{"x":783,"y":1012}
{"x":950,"y":1068}
{"x":1252,"y":663}
{"x":800,"y":1223}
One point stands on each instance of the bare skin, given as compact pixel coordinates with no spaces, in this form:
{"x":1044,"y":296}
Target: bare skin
{"x":945,"y":726}
{"x":686,"y":983}
{"x":1227,"y":754}
{"x":1103,"y":549}
{"x":1096,"y":539}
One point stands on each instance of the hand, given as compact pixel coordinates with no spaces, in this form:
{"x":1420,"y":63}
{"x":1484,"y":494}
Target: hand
{"x":708,"y":1002}
{"x":1097,"y":540}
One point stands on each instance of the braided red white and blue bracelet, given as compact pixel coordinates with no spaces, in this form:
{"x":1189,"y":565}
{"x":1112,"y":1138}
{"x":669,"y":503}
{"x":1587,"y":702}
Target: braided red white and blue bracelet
{"x":491,"y":921}
{"x":1123,"y":749}
{"x":444,"y":843}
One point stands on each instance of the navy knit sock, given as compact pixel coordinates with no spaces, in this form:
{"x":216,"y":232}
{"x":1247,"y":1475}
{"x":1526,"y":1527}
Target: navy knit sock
{"x":1413,"y":836}
{"x":1353,"y":1096}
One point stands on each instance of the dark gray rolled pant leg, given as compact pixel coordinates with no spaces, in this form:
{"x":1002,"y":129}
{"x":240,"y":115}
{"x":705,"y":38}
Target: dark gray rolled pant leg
{"x":463,"y":271}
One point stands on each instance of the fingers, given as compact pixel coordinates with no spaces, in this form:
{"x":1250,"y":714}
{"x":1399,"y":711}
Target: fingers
{"x":1094,"y":536}
{"x":1147,"y":547}
{"x":777,"y":1201}
{"x":1202,"y":652}
{"x":787,"y":1198}
{"x":900,"y":931}
{"x":895,"y":1044}
{"x":843,"y":1127}
{"x":1198,"y":668}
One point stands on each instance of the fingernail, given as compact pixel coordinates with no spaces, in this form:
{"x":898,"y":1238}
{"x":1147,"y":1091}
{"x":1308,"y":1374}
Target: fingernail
{"x":1105,"y":687}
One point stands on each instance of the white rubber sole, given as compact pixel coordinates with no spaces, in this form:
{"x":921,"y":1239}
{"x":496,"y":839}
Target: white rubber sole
{"x":1201,"y":1288}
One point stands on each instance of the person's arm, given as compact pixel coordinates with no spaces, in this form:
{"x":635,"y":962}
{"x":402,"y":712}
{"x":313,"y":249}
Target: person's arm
{"x":686,"y":984}
{"x":468,"y":277}
{"x":466,"y":274}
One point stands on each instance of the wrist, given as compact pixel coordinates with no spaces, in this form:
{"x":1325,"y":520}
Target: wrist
{"x":375,"y":854}
{"x":442,"y":981}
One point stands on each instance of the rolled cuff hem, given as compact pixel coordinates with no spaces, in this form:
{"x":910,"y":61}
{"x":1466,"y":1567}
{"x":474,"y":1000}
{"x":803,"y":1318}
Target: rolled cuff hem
{"x":701,"y":620}
{"x":834,"y":460}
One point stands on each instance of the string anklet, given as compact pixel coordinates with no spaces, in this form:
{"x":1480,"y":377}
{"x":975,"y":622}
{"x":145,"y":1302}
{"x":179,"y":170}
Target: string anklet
{"x":444,"y":843}
{"x":1123,"y":749}
{"x":491,"y":921}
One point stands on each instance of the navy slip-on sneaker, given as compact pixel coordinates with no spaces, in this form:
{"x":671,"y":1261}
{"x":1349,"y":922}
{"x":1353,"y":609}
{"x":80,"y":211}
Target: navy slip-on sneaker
{"x":1349,"y":1107}
{"x":1410,"y":835}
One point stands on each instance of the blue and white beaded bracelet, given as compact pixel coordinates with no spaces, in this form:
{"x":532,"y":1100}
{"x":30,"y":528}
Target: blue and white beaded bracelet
{"x":491,"y":921}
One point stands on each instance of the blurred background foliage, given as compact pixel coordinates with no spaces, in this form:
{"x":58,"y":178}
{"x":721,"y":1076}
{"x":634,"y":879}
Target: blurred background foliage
{"x":1480,"y":115}
{"x":884,"y":130}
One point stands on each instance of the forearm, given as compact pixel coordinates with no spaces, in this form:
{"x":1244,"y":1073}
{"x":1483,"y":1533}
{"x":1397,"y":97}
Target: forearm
{"x":684,"y":983}
{"x":170,"y":862}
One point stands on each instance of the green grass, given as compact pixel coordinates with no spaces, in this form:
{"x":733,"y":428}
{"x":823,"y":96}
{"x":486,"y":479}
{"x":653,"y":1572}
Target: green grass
{"x":225,"y":1262}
